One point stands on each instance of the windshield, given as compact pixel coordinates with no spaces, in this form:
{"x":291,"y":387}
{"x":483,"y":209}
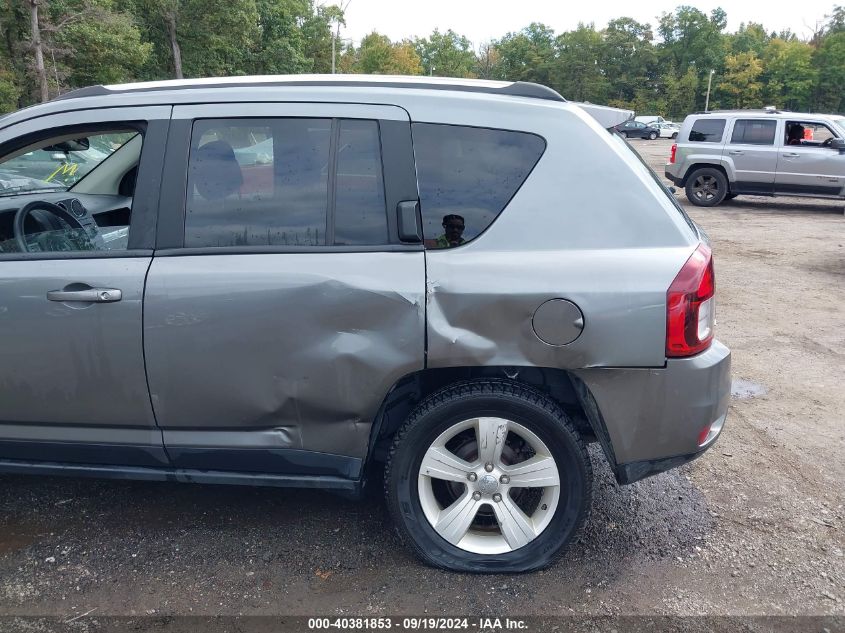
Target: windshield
{"x":55,"y":166}
{"x":840,"y":123}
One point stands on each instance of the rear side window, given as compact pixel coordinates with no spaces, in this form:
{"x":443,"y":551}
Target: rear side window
{"x":707,"y":130}
{"x":467,"y":176}
{"x":754,"y":132}
{"x":285,"y":182}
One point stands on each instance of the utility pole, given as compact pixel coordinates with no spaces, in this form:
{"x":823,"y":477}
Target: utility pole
{"x":709,"y":81}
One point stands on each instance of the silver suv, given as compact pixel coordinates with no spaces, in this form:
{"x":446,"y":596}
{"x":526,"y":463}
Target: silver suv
{"x":720,"y":155}
{"x":308,"y":281}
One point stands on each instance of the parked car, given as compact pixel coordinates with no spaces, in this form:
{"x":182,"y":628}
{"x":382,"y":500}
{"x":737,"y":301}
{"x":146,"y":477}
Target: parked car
{"x":635,"y":129}
{"x":720,"y":155}
{"x":668,"y":130}
{"x":300,"y":281}
{"x":652,"y":120}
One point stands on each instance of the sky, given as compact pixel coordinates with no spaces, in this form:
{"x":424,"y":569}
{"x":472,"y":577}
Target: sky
{"x":482,"y":21}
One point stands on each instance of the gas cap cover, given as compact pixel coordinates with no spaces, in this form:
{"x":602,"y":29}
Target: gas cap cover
{"x":558,"y":322}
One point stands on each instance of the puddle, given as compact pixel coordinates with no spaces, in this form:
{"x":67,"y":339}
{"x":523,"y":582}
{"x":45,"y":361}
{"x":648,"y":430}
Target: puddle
{"x":743,"y":389}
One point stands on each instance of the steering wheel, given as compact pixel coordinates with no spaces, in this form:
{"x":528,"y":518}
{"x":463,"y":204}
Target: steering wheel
{"x":47,"y":215}
{"x":827,"y":142}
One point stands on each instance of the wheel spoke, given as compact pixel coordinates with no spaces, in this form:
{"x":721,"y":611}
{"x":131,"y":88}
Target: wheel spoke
{"x":537,"y":472}
{"x":517,"y":529}
{"x":454,"y":521}
{"x":440,"y":463}
{"x":491,"y":434}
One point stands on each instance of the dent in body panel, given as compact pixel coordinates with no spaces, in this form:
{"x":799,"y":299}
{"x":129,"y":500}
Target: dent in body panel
{"x":481,"y":304}
{"x":308,"y":343}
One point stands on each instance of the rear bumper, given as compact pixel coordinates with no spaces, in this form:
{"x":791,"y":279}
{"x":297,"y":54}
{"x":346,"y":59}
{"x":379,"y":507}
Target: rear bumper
{"x":676,"y":180}
{"x":652,"y":419}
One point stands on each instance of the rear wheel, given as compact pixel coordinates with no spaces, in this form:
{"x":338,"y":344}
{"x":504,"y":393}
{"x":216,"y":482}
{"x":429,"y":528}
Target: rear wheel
{"x":706,"y":187}
{"x":488,"y":476}
{"x":674,"y":135}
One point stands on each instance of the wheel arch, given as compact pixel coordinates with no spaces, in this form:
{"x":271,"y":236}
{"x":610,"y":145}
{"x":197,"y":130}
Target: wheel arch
{"x":705,"y":164}
{"x":566,"y":389}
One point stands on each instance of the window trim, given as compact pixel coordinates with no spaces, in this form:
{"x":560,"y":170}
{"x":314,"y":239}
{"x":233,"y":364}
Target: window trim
{"x":833,"y":132}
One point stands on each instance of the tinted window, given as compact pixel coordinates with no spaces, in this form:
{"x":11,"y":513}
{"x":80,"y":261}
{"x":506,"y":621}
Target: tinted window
{"x":360,"y":216}
{"x":254,"y":182}
{"x":707,"y":130}
{"x":466,"y":177}
{"x":754,"y":132}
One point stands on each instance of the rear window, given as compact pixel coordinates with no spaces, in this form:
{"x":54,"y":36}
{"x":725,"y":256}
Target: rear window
{"x":467,"y":176}
{"x":707,"y":130}
{"x":754,"y":132}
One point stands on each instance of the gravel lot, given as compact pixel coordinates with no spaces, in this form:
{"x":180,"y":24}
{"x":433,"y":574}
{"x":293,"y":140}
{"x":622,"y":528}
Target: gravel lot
{"x":756,"y":526}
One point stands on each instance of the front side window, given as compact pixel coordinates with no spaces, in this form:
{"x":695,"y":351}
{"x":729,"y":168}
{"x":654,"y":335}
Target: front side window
{"x":467,"y":176}
{"x":71,"y":191}
{"x":807,"y":134}
{"x":285,"y":182}
{"x":707,"y":130}
{"x":754,"y":132}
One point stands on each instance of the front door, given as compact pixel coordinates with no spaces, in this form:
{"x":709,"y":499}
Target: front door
{"x":807,"y":165}
{"x":75,"y":246}
{"x":281,"y":305}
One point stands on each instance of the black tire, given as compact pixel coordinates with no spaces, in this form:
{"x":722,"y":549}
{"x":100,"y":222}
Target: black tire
{"x":706,"y":187}
{"x":652,"y":136}
{"x":674,"y":135}
{"x":492,"y":398}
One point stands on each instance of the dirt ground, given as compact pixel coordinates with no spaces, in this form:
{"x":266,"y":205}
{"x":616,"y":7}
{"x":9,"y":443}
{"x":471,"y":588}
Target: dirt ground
{"x":754,"y":527}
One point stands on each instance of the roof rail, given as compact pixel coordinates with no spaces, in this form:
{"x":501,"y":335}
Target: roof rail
{"x":514,"y":89}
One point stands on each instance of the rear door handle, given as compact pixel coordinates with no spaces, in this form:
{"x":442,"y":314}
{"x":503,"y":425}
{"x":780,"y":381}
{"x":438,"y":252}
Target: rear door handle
{"x":89,"y":295}
{"x":791,"y":155}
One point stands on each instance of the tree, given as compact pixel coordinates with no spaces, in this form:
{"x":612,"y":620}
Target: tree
{"x":446,"y":54}
{"x":628,"y":60}
{"x":742,"y":79}
{"x":829,"y":61}
{"x":751,"y":37}
{"x":487,"y":60}
{"x":579,"y":76}
{"x":527,"y":55}
{"x":789,"y":75}
{"x":378,"y":55}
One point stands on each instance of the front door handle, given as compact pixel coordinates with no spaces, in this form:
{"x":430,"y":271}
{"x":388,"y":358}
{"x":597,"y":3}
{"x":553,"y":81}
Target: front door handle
{"x":791,"y":155}
{"x":735,"y":152}
{"x":89,"y":295}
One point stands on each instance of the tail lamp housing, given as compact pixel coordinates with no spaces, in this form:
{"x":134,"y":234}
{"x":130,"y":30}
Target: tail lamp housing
{"x":690,"y":306}
{"x":673,"y":152}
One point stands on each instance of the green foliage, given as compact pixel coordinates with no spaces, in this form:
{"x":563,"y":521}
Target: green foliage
{"x":789,"y":75}
{"x":742,"y":79}
{"x":446,"y":54}
{"x":378,"y":55}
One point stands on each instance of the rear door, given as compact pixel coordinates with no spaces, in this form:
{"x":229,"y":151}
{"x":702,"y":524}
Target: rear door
{"x":282,"y":306}
{"x":751,"y":148}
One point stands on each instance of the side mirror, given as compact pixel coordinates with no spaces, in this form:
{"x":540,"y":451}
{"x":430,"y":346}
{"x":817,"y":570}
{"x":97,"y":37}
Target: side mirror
{"x":838,"y":144}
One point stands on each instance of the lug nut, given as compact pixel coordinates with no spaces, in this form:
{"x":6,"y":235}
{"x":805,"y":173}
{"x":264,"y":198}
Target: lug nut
{"x":488,"y":467}
{"x":472,"y":477}
{"x":505,"y":479}
{"x":476,"y":495}
{"x":497,"y":497}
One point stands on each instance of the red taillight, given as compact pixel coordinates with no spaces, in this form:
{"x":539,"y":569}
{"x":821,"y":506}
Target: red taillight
{"x":690,"y":307}
{"x":674,"y":150}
